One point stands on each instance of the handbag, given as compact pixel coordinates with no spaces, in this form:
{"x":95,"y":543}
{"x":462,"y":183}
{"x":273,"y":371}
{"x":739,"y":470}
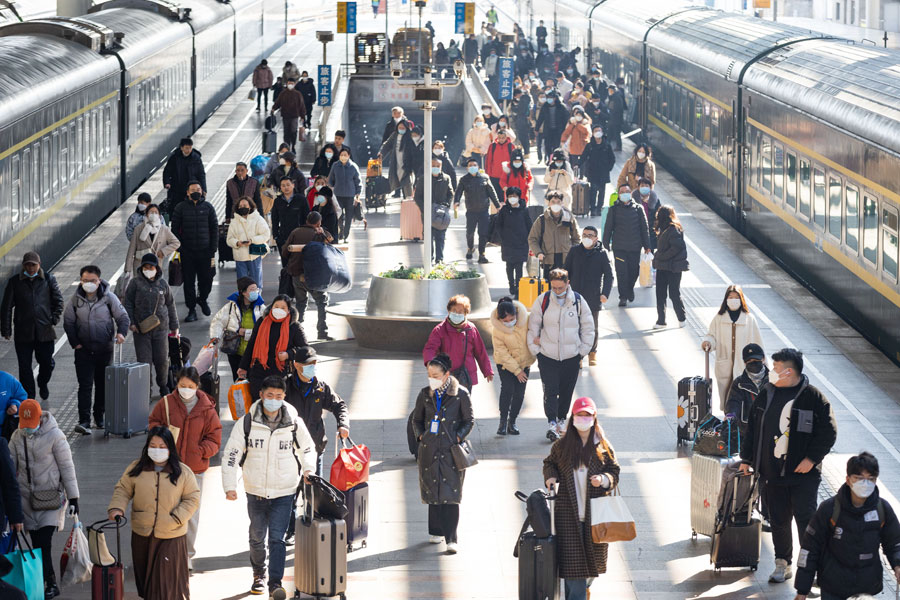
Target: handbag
{"x":351,"y":466}
{"x":611,"y":521}
{"x":42,"y":499}
{"x":440,"y":216}
{"x":27,"y":572}
{"x":231,"y":340}
{"x":328,"y":501}
{"x":258,"y":250}
{"x":176,"y":271}
{"x":462,"y":373}
{"x":152,"y":322}
{"x":97,"y":548}
{"x":715,"y":437}
{"x":463,"y":455}
{"x":252,"y":94}
{"x":301,"y":134}
{"x":175,"y":430}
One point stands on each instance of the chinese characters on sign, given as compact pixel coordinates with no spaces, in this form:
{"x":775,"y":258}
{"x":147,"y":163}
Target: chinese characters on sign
{"x":505,"y":67}
{"x":324,"y":85}
{"x":346,"y":17}
{"x":465,"y":17}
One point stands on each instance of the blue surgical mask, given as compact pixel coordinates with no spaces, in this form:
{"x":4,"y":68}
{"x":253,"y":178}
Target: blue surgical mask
{"x":309,"y":371}
{"x":320,"y":199}
{"x":517,"y":163}
{"x":254,"y":295}
{"x":558,"y":163}
{"x":456,"y":318}
{"x":473,"y":170}
{"x":30,"y":275}
{"x":29,"y":431}
{"x":550,"y":100}
{"x":644,"y":191}
{"x":625,"y":196}
{"x":562,"y":295}
{"x":435,"y":170}
{"x":272,"y":404}
{"x":401,"y":131}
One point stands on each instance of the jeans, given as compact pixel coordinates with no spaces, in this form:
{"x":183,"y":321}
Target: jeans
{"x":290,"y":131}
{"x":627,"y":269}
{"x":249,"y":268}
{"x":90,"y":369}
{"x":796,"y":501}
{"x":443,"y":519}
{"x":482,"y":221}
{"x":269,"y":518}
{"x":596,"y":198}
{"x":194,"y":523}
{"x":514,"y":274}
{"x":43,"y":353}
{"x":152,"y":348}
{"x":438,"y":236}
{"x":512,"y":393}
{"x":43,"y":539}
{"x":576,"y":589}
{"x":668,"y":282}
{"x":559,"y":378}
{"x":196,"y":266}
{"x":259,"y":95}
{"x":302,"y":293}
{"x":346,"y":203}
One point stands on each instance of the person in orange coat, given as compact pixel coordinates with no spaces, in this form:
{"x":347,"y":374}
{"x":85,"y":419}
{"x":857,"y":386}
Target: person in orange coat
{"x":196,"y":417}
{"x":577,"y":134}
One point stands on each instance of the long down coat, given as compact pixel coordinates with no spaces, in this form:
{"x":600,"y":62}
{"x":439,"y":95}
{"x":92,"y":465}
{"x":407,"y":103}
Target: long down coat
{"x":439,"y":480}
{"x":579,"y":556}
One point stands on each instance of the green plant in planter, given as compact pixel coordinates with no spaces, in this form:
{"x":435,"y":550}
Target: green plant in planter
{"x":441,"y":271}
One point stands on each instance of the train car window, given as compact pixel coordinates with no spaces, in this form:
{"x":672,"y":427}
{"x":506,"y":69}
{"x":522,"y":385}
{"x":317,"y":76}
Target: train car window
{"x":805,"y":188}
{"x":790,"y":188}
{"x":45,"y":170}
{"x":766,"y":164}
{"x":835,"y":211}
{"x":889,"y":241}
{"x":819,"y":198}
{"x":675,"y":104}
{"x":778,"y":172}
{"x":95,"y":126}
{"x":690,"y":115}
{"x":852,"y":221}
{"x":870,"y":229}
{"x":701,"y":130}
{"x":86,"y":154}
{"x":54,"y":161}
{"x":657,"y":91}
{"x":667,"y":100}
{"x":36,"y":174}
{"x":756,"y":165}
{"x":27,"y":183}
{"x":714,"y":130}
{"x":15,"y":191}
{"x":63,"y":156}
{"x":79,"y":146}
{"x":107,"y":130}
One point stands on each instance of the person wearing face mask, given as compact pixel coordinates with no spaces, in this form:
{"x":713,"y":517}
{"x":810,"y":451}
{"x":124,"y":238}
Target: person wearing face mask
{"x":596,"y":109}
{"x":327,"y":206}
{"x":746,"y":388}
{"x":590,"y":274}
{"x":184,"y":166}
{"x":248,"y":235}
{"x":649,"y":201}
{"x":397,"y":118}
{"x":32,"y":306}
{"x":288,"y":168}
{"x":322,"y":165}
{"x":238,"y":315}
{"x":458,"y":338}
{"x":626,"y":232}
{"x":616,"y":106}
{"x":441,"y":194}
{"x":497,"y":159}
{"x":345,"y":183}
{"x":152,"y":236}
{"x":564,"y":86}
{"x":791,"y":430}
{"x":733,"y":327}
{"x":442,"y":417}
{"x":517,"y":174}
{"x":439,"y":150}
{"x":340,"y":137}
{"x":275,"y":340}
{"x":639,"y":166}
{"x":274,"y":162}
{"x":137,"y":217}
{"x":239,"y":186}
{"x":597,"y":162}
{"x":577,"y":135}
{"x":193,"y":414}
{"x":263,"y":79}
{"x":288,"y":212}
{"x":521,"y":115}
{"x":559,"y":177}
{"x":312,"y":191}
{"x":480,"y":195}
{"x":43,"y":461}
{"x":581,"y":466}
{"x":293,"y":111}
{"x":311,"y":231}
{"x":502,"y":124}
{"x":478,"y":140}
{"x":164,"y":496}
{"x":552,"y":120}
{"x":553,"y":234}
{"x":396,"y":155}
{"x":290,"y":72}
{"x":271,"y":448}
{"x":307,"y":88}
{"x":196,"y":225}
{"x":146,"y":295}
{"x":416,"y":136}
{"x":94,"y":320}
{"x":513,"y":225}
{"x":510,"y":341}
{"x":847,"y":565}
{"x":670,"y":261}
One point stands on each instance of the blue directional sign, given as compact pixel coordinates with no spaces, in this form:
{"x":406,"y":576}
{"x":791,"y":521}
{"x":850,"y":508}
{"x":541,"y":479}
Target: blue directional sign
{"x":324,"y":85}
{"x":346,"y":17}
{"x":505,"y":67}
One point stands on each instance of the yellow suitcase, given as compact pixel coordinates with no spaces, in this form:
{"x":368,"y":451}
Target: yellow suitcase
{"x":529,"y":289}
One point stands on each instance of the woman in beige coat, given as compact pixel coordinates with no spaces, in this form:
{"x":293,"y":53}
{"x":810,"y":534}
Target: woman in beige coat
{"x":164,"y":495}
{"x":478,"y":140}
{"x":150,"y":237}
{"x":510,"y":339}
{"x":248,"y":228}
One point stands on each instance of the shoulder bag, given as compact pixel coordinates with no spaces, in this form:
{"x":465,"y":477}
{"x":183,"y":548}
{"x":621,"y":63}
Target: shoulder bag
{"x":611,"y":521}
{"x":42,"y":499}
{"x":462,"y":373}
{"x":175,"y":430}
{"x":152,"y":322}
{"x":231,"y":340}
{"x":463,"y":455}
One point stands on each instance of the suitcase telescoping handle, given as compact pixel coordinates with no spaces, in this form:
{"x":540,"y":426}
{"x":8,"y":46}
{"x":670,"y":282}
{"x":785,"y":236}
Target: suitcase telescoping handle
{"x":706,"y":352}
{"x":121,"y":349}
{"x":551,"y":500}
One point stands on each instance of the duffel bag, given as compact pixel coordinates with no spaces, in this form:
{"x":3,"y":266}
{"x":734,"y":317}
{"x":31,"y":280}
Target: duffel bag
{"x":329,"y":501}
{"x":325,"y":269}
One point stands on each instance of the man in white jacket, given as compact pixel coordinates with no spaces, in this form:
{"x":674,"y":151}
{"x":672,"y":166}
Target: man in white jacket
{"x":272,"y":447}
{"x":560,"y":334}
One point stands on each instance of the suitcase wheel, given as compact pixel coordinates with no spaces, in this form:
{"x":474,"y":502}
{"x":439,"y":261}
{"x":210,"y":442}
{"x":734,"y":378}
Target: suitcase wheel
{"x":693,"y":535}
{"x":127,"y":435}
{"x":754,"y":567}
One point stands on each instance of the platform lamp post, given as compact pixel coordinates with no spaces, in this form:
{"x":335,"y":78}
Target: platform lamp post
{"x":590,"y":49}
{"x":325,"y":37}
{"x":428,"y":93}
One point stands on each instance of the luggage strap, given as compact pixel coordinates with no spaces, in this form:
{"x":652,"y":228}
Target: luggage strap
{"x":248,"y":424}
{"x":836,"y":512}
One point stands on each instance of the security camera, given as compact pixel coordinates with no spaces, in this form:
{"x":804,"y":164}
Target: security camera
{"x":396,"y":68}
{"x":459,"y":67}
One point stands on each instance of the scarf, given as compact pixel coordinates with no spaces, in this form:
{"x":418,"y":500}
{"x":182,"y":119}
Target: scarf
{"x":149,"y":230}
{"x":261,"y":347}
{"x":758,"y":378}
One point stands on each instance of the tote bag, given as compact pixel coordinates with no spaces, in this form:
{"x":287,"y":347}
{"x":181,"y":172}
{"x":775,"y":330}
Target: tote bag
{"x":28,"y":569}
{"x":611,"y":521}
{"x":351,"y":466}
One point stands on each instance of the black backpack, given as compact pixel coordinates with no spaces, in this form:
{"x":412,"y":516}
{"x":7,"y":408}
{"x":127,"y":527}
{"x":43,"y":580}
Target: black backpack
{"x":538,"y":517}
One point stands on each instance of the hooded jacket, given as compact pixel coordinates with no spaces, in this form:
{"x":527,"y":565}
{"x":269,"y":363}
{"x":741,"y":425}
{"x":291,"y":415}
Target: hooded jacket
{"x":511,"y":343}
{"x":577,"y":134}
{"x":343,"y":179}
{"x":143,"y":295}
{"x":563,"y":331}
{"x":453,"y":342}
{"x":11,"y":394}
{"x":513,"y":224}
{"x":159,"y":507}
{"x":553,"y":234}
{"x":164,"y":241}
{"x":93,"y":325}
{"x":263,"y":78}
{"x":307,"y":89}
{"x":590,"y":273}
{"x":197,"y":227}
{"x":626,"y":228}
{"x":252,"y":228}
{"x":201,"y":431}
{"x":38,"y":305}
{"x":312,"y":397}
{"x":229,"y":316}
{"x":180,"y":170}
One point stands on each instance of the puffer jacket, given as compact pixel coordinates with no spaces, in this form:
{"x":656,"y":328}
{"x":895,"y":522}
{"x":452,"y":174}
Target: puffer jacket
{"x":513,"y":224}
{"x":196,"y":226}
{"x":511,"y":343}
{"x":551,"y":235}
{"x":201,"y":431}
{"x":343,"y":179}
{"x":94,"y":325}
{"x":597,"y":162}
{"x":590,"y":273}
{"x":310,"y":398}
{"x":478,"y":140}
{"x":50,"y":465}
{"x":480,"y":194}
{"x":563,"y":331}
{"x":164,"y":241}
{"x":453,"y":342}
{"x":307,"y":89}
{"x":440,"y":482}
{"x":630,"y":176}
{"x":671,"y":252}
{"x":229,"y":316}
{"x":497,"y":155}
{"x":560,"y":180}
{"x":626,"y":228}
{"x":38,"y":305}
{"x":274,"y":459}
{"x":524,"y":181}
{"x":159,"y":507}
{"x":252,"y":228}
{"x":263,"y":78}
{"x":142,"y":295}
{"x":577,"y":134}
{"x":181,"y":170}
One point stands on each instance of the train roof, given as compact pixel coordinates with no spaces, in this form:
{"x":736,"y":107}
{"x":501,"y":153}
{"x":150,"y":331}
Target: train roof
{"x":632,"y":19}
{"x":146,"y":33}
{"x":207,"y":13}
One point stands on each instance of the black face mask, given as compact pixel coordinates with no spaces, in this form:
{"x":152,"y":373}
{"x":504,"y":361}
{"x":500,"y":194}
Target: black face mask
{"x":243,"y":211}
{"x":195,"y":196}
{"x":754,"y":367}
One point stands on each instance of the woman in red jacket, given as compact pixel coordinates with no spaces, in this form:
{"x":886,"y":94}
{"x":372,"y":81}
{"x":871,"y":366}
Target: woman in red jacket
{"x":518,"y":175}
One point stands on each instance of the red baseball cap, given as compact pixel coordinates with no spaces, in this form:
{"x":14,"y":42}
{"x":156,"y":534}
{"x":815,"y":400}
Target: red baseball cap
{"x":584,"y":404}
{"x":29,"y":414}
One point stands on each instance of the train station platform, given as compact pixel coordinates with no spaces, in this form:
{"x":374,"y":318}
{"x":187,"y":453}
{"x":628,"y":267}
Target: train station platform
{"x":634,"y":387}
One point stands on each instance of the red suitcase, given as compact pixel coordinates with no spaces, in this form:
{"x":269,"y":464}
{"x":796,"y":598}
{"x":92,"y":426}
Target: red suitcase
{"x":108,"y":583}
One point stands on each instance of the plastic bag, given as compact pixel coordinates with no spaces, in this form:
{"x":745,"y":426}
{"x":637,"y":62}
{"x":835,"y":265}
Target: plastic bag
{"x":646,"y":276}
{"x":206,"y":358}
{"x":75,"y":562}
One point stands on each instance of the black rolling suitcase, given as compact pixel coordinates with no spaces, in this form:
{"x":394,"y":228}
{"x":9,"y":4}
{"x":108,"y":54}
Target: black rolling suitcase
{"x":538,"y":559}
{"x":357,"y":499}
{"x":737,"y":539}
{"x":694,"y":404}
{"x":210,"y":383}
{"x":226,"y":252}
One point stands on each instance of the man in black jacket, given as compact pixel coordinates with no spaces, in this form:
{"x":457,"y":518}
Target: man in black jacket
{"x":842,"y":540}
{"x":470,"y":50}
{"x":521,"y":108}
{"x":541,"y":34}
{"x":791,"y":429}
{"x":551,"y":121}
{"x":288,"y":212}
{"x":307,"y":89}
{"x":480,"y":194}
{"x":616,"y":105}
{"x":626,"y":232}
{"x":185,"y":165}
{"x":38,"y":304}
{"x":196,"y":226}
{"x":590,"y":274}
{"x":441,"y":193}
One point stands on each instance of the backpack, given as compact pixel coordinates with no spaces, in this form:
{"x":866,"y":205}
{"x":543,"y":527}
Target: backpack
{"x":545,"y":302}
{"x":247,"y":422}
{"x":836,"y":512}
{"x":537,"y":510}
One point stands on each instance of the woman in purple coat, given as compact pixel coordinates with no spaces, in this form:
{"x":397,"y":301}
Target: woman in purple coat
{"x":458,"y":337}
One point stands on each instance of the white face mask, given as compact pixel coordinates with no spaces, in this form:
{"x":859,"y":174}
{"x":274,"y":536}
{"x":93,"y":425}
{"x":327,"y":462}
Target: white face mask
{"x":290,"y":86}
{"x":89,"y":287}
{"x":142,"y":207}
{"x":510,"y":324}
{"x":149,"y":273}
{"x":774,"y":377}
{"x":598,"y":135}
{"x":153,"y":219}
{"x":278,"y":313}
{"x":513,"y":201}
{"x":158,"y":455}
{"x":187,"y":393}
{"x":863,"y":488}
{"x":587,"y":242}
{"x":397,"y":119}
{"x":556,"y":208}
{"x":641,"y":155}
{"x":434,"y":383}
{"x":438,"y":152}
{"x":579,"y":119}
{"x":583,"y":423}
{"x":733,"y":303}
{"x":456,"y":318}
{"x":486,"y":112}
{"x":272,"y":404}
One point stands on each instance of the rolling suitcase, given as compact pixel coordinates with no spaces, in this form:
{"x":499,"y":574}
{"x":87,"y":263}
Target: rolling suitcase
{"x":210,"y":383}
{"x":529,"y":290}
{"x":411,"y":227}
{"x":694,"y":404}
{"x":737,"y":538}
{"x":373,"y":167}
{"x":706,"y":482}
{"x":226,"y":252}
{"x":269,"y":142}
{"x":580,"y":192}
{"x":538,"y":564}
{"x":320,"y":553}
{"x":357,"y":499}
{"x":534,"y":211}
{"x":127,"y":398}
{"x":108,"y":583}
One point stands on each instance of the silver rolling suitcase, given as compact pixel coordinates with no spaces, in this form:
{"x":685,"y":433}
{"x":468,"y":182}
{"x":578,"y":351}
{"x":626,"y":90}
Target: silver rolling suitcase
{"x":127,"y":397}
{"x":706,"y":481}
{"x":320,"y":553}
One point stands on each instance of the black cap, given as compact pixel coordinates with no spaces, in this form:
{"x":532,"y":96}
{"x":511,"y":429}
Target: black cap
{"x":752,"y":351}
{"x":150,"y":259}
{"x":305,"y":355}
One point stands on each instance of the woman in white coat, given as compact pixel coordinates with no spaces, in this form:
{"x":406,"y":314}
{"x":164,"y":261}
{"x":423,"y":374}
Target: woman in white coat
{"x":249,"y":235}
{"x":152,"y":236}
{"x":731,"y":329}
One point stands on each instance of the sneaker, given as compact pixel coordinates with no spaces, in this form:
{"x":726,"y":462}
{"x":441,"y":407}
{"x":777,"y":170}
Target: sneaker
{"x":99,"y":423}
{"x":435,"y":539}
{"x":482,"y":260}
{"x":451,"y":548}
{"x":782,"y":571}
{"x":592,"y":359}
{"x":204,"y":307}
{"x":552,"y":434}
{"x":289,"y":538}
{"x":277,"y":593}
{"x":765,"y":526}
{"x":681,"y":324}
{"x":52,"y":590}
{"x":259,"y":586}
{"x":191,"y":316}
{"x":659,"y":326}
{"x":561,"y":428}
{"x":45,"y":393}
{"x":83,"y":428}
